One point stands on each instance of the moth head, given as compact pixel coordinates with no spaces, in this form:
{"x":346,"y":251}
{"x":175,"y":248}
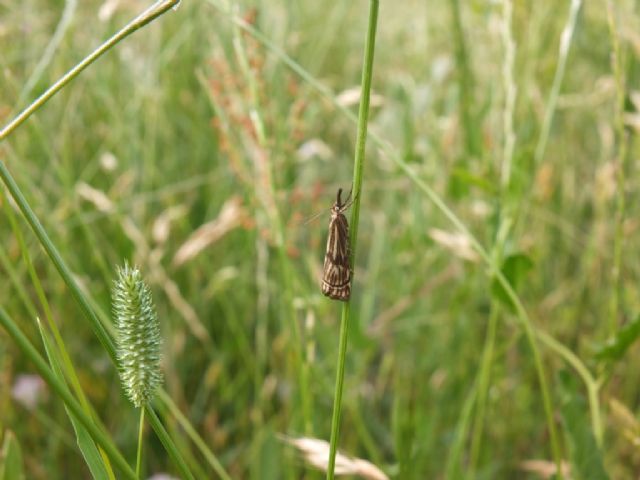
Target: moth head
{"x":337,"y":207}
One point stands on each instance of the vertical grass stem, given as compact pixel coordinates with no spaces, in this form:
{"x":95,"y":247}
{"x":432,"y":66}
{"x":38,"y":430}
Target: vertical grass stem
{"x":139,"y":455}
{"x":617,"y":65}
{"x":363,"y":115}
{"x":465,"y":82}
{"x":506,"y":210}
{"x":563,"y":53}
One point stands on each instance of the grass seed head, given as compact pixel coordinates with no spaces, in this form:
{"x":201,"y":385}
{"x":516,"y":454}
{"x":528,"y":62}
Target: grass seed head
{"x":138,"y":336}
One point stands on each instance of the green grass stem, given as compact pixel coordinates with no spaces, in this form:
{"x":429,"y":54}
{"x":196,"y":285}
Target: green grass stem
{"x":505,"y":222}
{"x":484,"y":382}
{"x":617,"y":65}
{"x":361,"y":140}
{"x":465,"y":82}
{"x":140,"y":436}
{"x":566,"y":39}
{"x":50,"y":50}
{"x":455,"y":454}
{"x":209,"y":456}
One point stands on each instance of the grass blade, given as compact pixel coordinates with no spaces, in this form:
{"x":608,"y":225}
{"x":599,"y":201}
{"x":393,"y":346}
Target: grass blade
{"x":11,"y":463}
{"x":61,"y":390}
{"x":615,"y":348}
{"x":586,"y":457}
{"x":87,"y":446}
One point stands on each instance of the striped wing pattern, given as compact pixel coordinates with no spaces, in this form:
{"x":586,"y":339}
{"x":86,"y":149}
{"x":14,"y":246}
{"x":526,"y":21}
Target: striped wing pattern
{"x":336,"y":278}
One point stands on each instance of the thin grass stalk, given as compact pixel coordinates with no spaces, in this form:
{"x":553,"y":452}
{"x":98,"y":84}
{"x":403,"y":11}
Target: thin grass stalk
{"x":55,"y":429}
{"x":493,"y":269}
{"x":167,"y":442}
{"x":213,"y":461}
{"x":149,"y":15}
{"x":505,"y":222}
{"x":183,"y":445}
{"x":106,"y":270}
{"x":49,"y":52}
{"x":139,"y":455}
{"x":510,"y":92}
{"x":563,"y":52}
{"x":617,"y":64}
{"x":16,"y":283}
{"x":61,"y":390}
{"x":465,"y":81}
{"x":484,"y":381}
{"x":361,"y":140}
{"x":593,"y":385}
{"x":453,"y":464}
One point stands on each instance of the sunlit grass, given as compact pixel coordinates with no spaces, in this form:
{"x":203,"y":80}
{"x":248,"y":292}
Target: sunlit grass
{"x":219,"y":130}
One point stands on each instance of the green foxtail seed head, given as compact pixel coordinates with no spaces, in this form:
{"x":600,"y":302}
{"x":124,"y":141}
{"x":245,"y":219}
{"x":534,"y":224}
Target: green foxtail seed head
{"x":138,"y":335}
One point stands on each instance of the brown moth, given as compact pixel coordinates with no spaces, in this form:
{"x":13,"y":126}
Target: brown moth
{"x":336,"y":277}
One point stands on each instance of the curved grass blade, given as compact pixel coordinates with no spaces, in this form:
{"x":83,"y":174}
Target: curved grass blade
{"x":61,"y":390}
{"x":87,"y":446}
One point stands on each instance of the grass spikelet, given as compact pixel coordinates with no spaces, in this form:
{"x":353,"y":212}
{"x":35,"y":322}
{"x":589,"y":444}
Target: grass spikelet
{"x":316,"y":454}
{"x":138,"y":339}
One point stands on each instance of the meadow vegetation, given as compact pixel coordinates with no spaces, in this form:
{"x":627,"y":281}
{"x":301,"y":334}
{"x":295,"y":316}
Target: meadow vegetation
{"x":495,"y":300}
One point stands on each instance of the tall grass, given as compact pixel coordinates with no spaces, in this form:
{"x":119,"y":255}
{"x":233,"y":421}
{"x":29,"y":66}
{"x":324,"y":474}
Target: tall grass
{"x":358,"y":173}
{"x":198,"y":147}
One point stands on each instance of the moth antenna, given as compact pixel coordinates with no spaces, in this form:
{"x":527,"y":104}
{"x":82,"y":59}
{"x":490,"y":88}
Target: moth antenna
{"x":313,"y":217}
{"x":348,"y":203}
{"x":348,"y":196}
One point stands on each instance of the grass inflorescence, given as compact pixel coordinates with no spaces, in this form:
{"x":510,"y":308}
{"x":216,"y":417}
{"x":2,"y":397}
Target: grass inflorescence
{"x":138,"y":335}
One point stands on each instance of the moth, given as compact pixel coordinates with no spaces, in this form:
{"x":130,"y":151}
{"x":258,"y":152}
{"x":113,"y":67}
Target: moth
{"x":336,"y":276}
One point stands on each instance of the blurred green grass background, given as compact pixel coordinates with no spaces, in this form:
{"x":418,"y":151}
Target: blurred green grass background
{"x":158,"y":139}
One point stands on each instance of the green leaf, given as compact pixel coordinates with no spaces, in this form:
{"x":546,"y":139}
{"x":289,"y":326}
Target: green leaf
{"x":267,"y":450}
{"x":11,"y":458}
{"x":515,"y":267}
{"x":586,"y":457}
{"x":462,"y":179}
{"x":616,"y":347}
{"x":86,"y":444}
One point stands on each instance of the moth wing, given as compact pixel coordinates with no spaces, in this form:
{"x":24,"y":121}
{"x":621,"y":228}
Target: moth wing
{"x":336,"y":278}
